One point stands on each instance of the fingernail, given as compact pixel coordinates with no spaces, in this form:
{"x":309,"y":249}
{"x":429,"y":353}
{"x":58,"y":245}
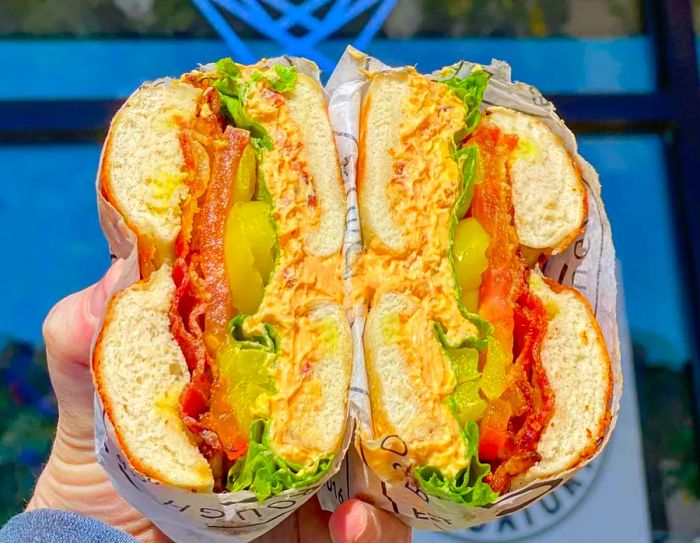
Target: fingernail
{"x":361,"y":525}
{"x":348,"y":524}
{"x":103,"y":288}
{"x":365,"y":524}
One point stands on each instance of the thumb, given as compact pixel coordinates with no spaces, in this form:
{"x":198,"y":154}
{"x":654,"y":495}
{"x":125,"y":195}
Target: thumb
{"x":358,"y":522}
{"x":68,"y":331}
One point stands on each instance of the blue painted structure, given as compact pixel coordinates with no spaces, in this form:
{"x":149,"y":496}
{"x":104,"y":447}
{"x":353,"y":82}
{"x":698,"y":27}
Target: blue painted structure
{"x":51,"y":239}
{"x":317,"y":29}
{"x":85,"y":69}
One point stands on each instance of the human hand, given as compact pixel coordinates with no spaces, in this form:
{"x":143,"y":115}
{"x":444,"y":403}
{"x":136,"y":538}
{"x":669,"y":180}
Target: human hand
{"x":73,"y":480}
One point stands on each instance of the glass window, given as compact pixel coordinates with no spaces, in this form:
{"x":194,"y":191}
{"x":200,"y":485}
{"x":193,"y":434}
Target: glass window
{"x":635,"y":185}
{"x":50,"y":208}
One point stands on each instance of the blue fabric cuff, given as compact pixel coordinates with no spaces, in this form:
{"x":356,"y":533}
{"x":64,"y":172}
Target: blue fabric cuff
{"x":55,"y":526}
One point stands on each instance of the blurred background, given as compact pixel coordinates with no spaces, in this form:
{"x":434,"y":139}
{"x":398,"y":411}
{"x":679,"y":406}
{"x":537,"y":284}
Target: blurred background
{"x":623,"y":73}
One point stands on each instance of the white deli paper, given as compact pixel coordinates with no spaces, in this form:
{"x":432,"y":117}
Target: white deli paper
{"x":588,"y":264}
{"x":185,"y":516}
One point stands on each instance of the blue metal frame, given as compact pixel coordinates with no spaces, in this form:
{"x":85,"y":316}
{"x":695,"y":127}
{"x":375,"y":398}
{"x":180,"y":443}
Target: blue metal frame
{"x":294,"y":16}
{"x":670,"y":24}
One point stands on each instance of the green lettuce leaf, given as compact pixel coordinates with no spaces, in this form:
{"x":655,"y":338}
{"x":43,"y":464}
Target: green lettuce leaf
{"x":261,"y":471}
{"x":287,"y":78}
{"x":265,"y":474}
{"x":468,"y":486}
{"x":284,"y":82}
{"x":233,"y":90}
{"x":268,"y":341}
{"x":263,"y":192}
{"x":470,"y":90}
{"x":470,"y":342}
{"x":467,"y":157}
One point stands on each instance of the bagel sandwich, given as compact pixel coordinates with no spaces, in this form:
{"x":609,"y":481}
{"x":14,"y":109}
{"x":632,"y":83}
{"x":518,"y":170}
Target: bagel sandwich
{"x":483,"y":374}
{"x":227,"y":366}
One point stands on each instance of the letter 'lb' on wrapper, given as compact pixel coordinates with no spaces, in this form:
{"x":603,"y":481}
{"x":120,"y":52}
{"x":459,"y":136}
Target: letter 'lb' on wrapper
{"x":242,"y":515}
{"x":380,"y":467}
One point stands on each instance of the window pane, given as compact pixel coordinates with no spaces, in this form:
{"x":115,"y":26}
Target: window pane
{"x":49,"y":209}
{"x":636,"y":194}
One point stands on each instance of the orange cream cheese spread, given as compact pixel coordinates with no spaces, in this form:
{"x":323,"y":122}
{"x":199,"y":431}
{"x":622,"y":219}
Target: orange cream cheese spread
{"x":411,"y":283}
{"x":300,"y":285}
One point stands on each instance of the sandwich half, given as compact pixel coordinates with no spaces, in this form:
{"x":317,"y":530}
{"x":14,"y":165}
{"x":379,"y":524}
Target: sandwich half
{"x":483,"y":374}
{"x":227,"y":366}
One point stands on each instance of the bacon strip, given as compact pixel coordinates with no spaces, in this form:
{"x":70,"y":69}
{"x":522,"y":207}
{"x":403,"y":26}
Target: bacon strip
{"x":530,"y":394}
{"x":211,"y":224}
{"x":518,"y":316}
{"x":202,"y":301}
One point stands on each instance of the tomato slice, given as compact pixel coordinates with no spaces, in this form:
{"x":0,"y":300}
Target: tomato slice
{"x":493,"y":431}
{"x":492,"y":443}
{"x":503,"y":280}
{"x":211,"y":227}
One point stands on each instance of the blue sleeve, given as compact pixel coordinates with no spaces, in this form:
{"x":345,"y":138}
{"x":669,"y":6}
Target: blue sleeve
{"x":55,"y":526}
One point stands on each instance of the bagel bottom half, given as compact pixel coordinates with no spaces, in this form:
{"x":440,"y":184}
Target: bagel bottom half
{"x":140,"y":381}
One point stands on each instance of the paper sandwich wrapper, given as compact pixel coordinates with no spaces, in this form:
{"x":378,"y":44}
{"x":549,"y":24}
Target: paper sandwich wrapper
{"x":185,"y":516}
{"x":588,"y":264}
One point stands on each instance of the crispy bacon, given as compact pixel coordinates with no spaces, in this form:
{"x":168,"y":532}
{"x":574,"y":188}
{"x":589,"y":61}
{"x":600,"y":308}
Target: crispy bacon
{"x":530,"y":394}
{"x":513,"y":424}
{"x":530,"y":329}
{"x":202,"y":301}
